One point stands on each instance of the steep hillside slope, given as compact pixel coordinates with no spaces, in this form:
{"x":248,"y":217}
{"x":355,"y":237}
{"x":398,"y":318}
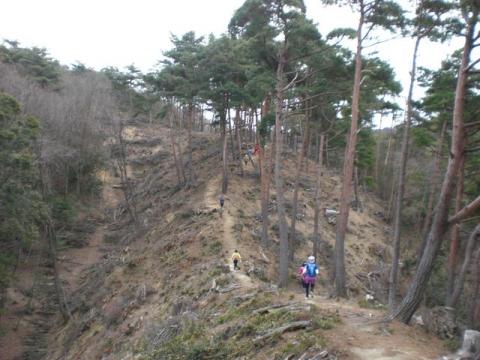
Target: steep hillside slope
{"x":164,"y":288}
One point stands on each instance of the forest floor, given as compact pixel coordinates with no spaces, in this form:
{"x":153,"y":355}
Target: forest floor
{"x":361,"y":334}
{"x":171,"y":270}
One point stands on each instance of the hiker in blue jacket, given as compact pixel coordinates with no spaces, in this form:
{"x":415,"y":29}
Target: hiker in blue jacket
{"x":310,"y":272}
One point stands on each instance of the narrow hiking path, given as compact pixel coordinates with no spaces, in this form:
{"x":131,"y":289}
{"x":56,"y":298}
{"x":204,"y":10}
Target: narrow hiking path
{"x":360,"y":335}
{"x":363,"y":336}
{"x":229,"y":240}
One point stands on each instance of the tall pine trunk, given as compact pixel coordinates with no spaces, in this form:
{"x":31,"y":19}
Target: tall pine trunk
{"x":180,"y":174}
{"x":358,"y":203}
{"x":223,"y":126}
{"x":377,"y":149}
{"x":282,"y":221}
{"x":345,"y":197}
{"x":239,"y":139}
{"x":455,"y":240}
{"x":190,"y":176}
{"x":232,"y":143}
{"x":265,"y":174}
{"x":439,"y":226}
{"x":318,"y":187}
{"x":301,"y":156}
{"x":397,"y":220}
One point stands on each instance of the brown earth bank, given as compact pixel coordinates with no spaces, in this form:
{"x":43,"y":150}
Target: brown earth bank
{"x":163,"y":287}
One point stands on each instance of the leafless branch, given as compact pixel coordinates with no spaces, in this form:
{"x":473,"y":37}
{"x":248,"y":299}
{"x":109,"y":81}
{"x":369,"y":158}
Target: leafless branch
{"x":472,"y":124}
{"x":472,"y":65}
{"x":368,"y":32}
{"x":465,"y":212}
{"x":291,"y":83}
{"x":381,"y":41}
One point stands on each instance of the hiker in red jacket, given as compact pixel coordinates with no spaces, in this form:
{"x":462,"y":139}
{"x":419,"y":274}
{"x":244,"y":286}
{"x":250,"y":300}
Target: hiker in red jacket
{"x":300,"y":274}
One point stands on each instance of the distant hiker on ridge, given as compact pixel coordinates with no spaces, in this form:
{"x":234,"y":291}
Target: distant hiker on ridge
{"x":245,"y":159}
{"x":310,"y":272}
{"x":221,"y":199}
{"x":236,"y":258}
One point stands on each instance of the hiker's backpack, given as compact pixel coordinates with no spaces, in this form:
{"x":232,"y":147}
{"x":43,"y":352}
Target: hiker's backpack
{"x":311,"y":270}
{"x":300,"y":271}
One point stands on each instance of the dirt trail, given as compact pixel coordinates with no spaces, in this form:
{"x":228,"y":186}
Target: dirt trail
{"x":230,"y":241}
{"x":363,"y":336}
{"x":359,"y":335}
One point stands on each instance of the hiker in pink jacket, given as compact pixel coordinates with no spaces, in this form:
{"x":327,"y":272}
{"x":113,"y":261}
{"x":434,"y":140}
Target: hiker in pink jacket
{"x":300,"y":274}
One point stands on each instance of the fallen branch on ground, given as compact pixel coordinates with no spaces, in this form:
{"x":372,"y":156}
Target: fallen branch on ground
{"x":297,"y":325}
{"x":267,"y":309}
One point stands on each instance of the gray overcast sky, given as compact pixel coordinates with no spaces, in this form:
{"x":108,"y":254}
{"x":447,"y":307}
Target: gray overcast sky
{"x":103,"y":33}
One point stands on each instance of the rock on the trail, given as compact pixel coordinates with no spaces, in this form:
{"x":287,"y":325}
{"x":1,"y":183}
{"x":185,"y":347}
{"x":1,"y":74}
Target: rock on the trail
{"x":471,"y":341}
{"x":224,"y":268}
{"x":321,"y":355}
{"x":417,"y":320}
{"x":470,"y":349}
{"x":440,"y":321}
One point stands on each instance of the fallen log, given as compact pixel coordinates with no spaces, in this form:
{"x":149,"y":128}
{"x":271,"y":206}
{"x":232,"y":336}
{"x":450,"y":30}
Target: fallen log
{"x":228,"y":288}
{"x":289,"y":306}
{"x":297,"y":325}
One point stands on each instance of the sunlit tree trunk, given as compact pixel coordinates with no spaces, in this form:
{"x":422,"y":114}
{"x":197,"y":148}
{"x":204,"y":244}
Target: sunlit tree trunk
{"x":282,"y":221}
{"x":300,"y":157}
{"x":345,"y":197}
{"x":239,"y":139}
{"x":412,"y":299}
{"x":223,"y":126}
{"x":455,"y":240}
{"x":265,"y":174}
{"x":190,"y":175}
{"x":316,"y":216}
